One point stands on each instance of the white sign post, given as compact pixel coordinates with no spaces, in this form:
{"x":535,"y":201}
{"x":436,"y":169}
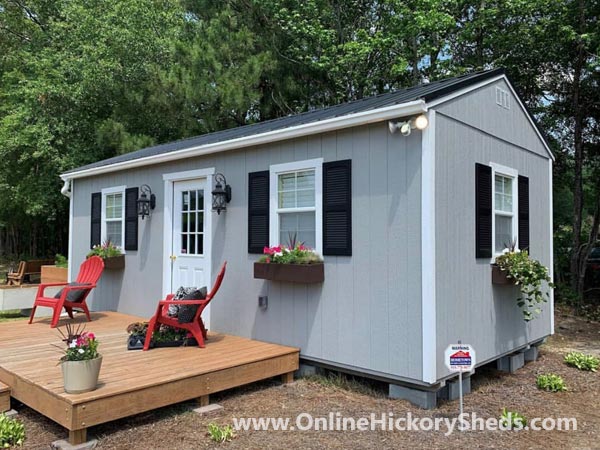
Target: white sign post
{"x":460,"y":358}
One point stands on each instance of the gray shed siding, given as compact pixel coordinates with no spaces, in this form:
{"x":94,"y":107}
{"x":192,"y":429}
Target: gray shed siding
{"x":468,"y":306}
{"x":369,"y":306}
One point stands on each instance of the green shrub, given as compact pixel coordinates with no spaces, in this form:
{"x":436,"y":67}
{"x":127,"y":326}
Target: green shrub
{"x":12,"y":432}
{"x":220,"y":434}
{"x":512,"y":420}
{"x":582,"y":362}
{"x":61,"y":261}
{"x":551,"y":382}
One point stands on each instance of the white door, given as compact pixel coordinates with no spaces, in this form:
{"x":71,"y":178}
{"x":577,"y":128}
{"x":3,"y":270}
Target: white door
{"x":190,"y":261}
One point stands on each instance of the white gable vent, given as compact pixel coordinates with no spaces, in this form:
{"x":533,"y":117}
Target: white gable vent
{"x":502,"y":98}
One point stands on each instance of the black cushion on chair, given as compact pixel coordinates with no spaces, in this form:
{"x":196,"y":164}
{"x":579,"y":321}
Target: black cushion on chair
{"x":187,"y":312}
{"x":75,"y":296}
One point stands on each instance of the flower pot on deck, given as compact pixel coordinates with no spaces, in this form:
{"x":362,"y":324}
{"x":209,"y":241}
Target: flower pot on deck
{"x":114,"y":262}
{"x":81,"y":376}
{"x":500,"y":277}
{"x":54,"y":274}
{"x":294,"y":273}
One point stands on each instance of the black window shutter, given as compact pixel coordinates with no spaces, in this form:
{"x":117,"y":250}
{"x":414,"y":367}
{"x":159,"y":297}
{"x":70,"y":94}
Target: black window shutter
{"x":258,"y":211}
{"x":131,"y":219}
{"x":96,"y":219}
{"x":337,"y":208}
{"x":483,"y":211}
{"x":523,"y":212}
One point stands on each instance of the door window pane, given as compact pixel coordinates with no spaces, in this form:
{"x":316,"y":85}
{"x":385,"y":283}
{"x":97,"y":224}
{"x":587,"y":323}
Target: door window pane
{"x":192,"y":222}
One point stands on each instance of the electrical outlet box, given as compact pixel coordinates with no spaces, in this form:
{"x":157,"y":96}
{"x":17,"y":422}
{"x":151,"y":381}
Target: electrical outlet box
{"x":263,"y":301}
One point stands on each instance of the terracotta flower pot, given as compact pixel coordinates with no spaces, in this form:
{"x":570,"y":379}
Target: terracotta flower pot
{"x":81,"y":376}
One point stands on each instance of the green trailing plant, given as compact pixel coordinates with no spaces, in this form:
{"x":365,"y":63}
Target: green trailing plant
{"x":220,"y":434}
{"x":582,"y":361}
{"x":12,"y":432}
{"x":61,"y":261}
{"x":106,"y":250}
{"x":551,"y":382}
{"x":530,"y":275}
{"x":512,"y":420}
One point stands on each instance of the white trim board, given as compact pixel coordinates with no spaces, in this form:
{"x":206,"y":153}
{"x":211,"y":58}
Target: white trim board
{"x":474,"y":87}
{"x":323,"y":126}
{"x":428,"y":263}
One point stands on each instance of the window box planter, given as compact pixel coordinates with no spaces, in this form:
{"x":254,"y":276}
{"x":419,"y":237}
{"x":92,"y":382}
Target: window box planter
{"x":294,"y":273}
{"x":53,"y":274}
{"x":499,"y":277}
{"x":114,"y":262}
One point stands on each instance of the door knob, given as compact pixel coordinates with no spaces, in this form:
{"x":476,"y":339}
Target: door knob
{"x":173,"y":257}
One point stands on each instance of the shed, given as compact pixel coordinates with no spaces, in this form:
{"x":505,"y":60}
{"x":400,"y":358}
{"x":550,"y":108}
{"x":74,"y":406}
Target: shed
{"x":408,"y":196}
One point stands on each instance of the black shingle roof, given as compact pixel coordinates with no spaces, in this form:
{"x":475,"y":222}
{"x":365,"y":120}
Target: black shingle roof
{"x":427,"y":92}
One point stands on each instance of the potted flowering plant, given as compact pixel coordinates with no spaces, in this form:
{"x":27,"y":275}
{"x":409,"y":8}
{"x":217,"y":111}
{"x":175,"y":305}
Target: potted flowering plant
{"x":111,"y":254}
{"x":293,"y":262}
{"x":516,"y":267}
{"x":81,"y":361}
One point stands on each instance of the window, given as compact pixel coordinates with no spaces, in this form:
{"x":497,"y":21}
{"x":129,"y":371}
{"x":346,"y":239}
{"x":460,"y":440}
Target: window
{"x":113,"y":215}
{"x":296,"y":203}
{"x":505,"y":207}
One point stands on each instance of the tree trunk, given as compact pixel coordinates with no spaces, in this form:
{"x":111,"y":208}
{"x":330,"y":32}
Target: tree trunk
{"x":579,"y":156}
{"x":587,"y":248}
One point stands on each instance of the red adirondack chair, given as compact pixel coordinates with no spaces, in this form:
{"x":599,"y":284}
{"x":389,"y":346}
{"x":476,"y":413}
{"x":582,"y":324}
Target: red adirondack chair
{"x":89,"y":274}
{"x":196,"y":326}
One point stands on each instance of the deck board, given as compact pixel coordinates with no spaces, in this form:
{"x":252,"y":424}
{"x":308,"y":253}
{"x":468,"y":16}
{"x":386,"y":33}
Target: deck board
{"x":130,"y":381}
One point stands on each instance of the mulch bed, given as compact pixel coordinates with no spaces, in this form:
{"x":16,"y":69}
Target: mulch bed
{"x":176,"y":427}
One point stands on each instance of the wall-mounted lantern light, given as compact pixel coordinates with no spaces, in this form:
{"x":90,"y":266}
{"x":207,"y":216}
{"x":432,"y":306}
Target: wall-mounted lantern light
{"x":147,"y":201}
{"x":221,"y":195}
{"x":420,"y":123}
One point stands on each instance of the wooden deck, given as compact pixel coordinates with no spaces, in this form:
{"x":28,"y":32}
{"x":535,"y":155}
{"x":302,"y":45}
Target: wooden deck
{"x":130,"y":382}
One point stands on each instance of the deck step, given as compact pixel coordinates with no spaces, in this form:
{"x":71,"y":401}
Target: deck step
{"x":4,"y":397}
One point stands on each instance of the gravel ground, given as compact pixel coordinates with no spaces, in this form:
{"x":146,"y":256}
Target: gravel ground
{"x":176,"y":427}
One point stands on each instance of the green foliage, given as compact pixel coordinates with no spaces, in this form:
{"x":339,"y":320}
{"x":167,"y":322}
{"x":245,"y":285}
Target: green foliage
{"x":220,"y":433}
{"x":12,"y":432}
{"x":582,"y":361}
{"x":530,"y":275}
{"x":512,"y":420}
{"x":168,"y":334}
{"x":551,"y":382}
{"x":283,"y":254}
{"x":61,"y":261}
{"x":106,"y":250}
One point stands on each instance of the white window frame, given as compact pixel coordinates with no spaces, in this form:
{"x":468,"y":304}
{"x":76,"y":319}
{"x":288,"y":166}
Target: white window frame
{"x":278,"y":169}
{"x":509,"y":172}
{"x":105,"y":193}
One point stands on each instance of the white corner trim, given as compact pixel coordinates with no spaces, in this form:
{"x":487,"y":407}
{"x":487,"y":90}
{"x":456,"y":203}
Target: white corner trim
{"x":428,"y":267}
{"x":188,"y":174}
{"x":323,"y":126}
{"x":70,"y":249}
{"x":274,"y":171}
{"x":474,"y":87}
{"x":551,"y":268}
